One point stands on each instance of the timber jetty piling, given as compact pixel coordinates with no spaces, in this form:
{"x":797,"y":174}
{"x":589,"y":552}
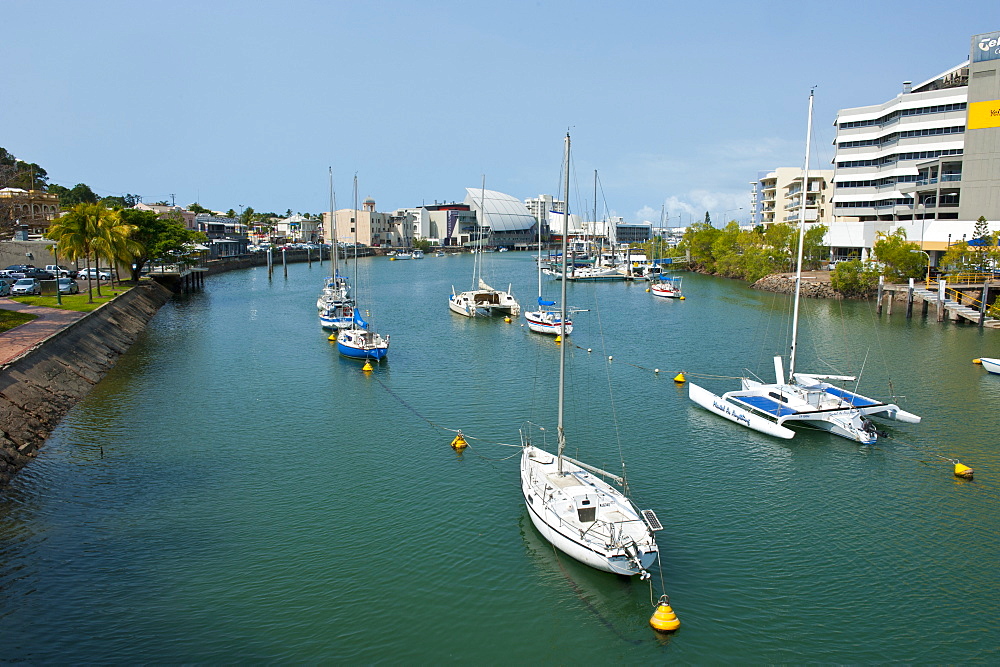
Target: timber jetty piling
{"x":960,"y":298}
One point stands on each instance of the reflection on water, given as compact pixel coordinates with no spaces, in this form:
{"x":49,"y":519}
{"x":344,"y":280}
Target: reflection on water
{"x":234,"y":489}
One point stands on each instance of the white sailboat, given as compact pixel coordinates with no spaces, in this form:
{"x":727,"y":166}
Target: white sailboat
{"x":546,"y":319}
{"x":357,"y":340}
{"x":570,"y":503}
{"x":336,"y":307}
{"x":482,"y":299}
{"x":804,"y":398}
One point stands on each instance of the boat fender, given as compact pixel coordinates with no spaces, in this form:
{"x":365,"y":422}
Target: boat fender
{"x":664,"y":619}
{"x":962,"y":470}
{"x":459,"y":442}
{"x":977,"y":361}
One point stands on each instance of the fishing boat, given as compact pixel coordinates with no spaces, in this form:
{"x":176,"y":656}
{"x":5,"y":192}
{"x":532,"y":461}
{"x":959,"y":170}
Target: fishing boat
{"x":572,"y":505}
{"x":482,"y":299}
{"x":357,"y":340}
{"x":991,"y":365}
{"x":807,"y":399}
{"x":666,"y":286}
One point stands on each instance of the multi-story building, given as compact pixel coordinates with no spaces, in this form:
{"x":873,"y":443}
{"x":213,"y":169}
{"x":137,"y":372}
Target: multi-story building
{"x":926,"y":161}
{"x":366,"y":226}
{"x":31,"y":208}
{"x":541,"y":206}
{"x":777,"y":196}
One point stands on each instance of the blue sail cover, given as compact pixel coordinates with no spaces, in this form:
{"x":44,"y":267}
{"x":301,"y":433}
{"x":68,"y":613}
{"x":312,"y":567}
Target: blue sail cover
{"x":358,"y":319}
{"x":542,"y":302}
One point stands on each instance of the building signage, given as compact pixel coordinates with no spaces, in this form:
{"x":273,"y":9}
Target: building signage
{"x":983,"y":115}
{"x":986,"y":47}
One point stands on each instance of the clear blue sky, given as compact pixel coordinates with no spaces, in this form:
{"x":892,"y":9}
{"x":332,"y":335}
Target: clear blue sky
{"x":247,"y":103}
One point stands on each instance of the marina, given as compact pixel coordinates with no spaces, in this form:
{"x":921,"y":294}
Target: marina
{"x":332,"y":521}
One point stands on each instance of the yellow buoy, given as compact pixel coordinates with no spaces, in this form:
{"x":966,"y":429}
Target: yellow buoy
{"x":507,"y":319}
{"x":664,"y":619}
{"x":679,"y":378}
{"x":392,"y":259}
{"x":682,"y":298}
{"x":558,"y":339}
{"x":459,"y":442}
{"x":647,"y":289}
{"x":977,"y":361}
{"x":963,"y":471}
{"x":332,"y":336}
{"x":367,"y":368}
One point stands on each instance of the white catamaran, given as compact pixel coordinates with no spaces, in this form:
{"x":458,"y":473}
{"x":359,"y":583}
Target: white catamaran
{"x":805,"y":398}
{"x":482,"y":299}
{"x":570,"y":503}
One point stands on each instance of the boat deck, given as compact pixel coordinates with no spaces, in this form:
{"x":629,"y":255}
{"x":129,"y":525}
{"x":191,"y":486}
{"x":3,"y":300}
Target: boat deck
{"x":765,"y":404}
{"x":856,"y":400}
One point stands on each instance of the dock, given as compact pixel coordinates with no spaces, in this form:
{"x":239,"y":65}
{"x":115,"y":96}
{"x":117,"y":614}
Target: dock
{"x":959,"y":299}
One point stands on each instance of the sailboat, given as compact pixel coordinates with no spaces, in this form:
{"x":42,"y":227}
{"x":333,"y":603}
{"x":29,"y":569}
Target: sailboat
{"x":805,"y":398}
{"x":336,"y":307}
{"x":357,"y":340}
{"x":572,"y":505}
{"x":482,"y":299}
{"x":546,"y":319}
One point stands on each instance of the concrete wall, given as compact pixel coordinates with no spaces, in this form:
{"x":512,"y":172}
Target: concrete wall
{"x":38,"y":388}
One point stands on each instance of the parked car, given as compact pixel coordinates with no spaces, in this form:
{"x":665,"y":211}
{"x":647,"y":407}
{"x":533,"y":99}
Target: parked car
{"x":4,"y":288}
{"x":39,"y":274}
{"x":100,"y":274}
{"x":60,"y":271}
{"x":26,"y":286}
{"x":21,"y":268}
{"x":68,"y":286}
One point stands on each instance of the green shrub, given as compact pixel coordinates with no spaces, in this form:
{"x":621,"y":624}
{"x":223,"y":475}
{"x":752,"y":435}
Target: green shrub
{"x":854,"y":279}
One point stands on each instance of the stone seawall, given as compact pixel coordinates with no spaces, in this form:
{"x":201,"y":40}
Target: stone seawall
{"x":38,"y":388}
{"x":783,"y":283}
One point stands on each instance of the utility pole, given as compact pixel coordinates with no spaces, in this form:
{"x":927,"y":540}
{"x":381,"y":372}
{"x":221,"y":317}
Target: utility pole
{"x":172,"y":201}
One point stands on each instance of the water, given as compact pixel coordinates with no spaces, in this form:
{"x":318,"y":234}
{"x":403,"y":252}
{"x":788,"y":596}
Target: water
{"x":236,"y":491}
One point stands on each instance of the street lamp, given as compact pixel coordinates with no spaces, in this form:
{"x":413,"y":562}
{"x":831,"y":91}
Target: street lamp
{"x":55,"y":253}
{"x":927,"y":255}
{"x":724,"y":213}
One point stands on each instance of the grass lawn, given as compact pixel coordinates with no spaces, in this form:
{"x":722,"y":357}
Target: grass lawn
{"x":10,"y":319}
{"x":78,"y":302}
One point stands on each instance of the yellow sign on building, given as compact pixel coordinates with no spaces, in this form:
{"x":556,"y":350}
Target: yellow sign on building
{"x":983,"y":115}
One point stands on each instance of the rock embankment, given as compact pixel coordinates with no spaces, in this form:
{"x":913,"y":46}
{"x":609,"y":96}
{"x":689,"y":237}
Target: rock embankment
{"x":38,"y":388}
{"x":784,"y":283}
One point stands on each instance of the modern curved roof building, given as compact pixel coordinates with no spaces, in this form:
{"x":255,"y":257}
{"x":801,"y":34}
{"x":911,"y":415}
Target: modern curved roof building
{"x":501,"y":213}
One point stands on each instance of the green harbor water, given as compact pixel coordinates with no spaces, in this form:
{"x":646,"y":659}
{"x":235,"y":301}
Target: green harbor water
{"x":235,"y":491}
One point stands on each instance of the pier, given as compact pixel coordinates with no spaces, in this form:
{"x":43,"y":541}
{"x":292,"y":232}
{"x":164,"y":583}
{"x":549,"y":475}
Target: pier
{"x":964,"y":297}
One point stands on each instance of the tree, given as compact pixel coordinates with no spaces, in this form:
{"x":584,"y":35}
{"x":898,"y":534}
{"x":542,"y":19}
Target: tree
{"x":230,"y":213}
{"x":70,"y":197}
{"x":76,"y":233}
{"x":984,"y":246}
{"x":708,"y":219}
{"x":900,"y":258}
{"x":158,"y":238}
{"x":197,"y":208}
{"x":854,"y":278}
{"x":114,"y":243}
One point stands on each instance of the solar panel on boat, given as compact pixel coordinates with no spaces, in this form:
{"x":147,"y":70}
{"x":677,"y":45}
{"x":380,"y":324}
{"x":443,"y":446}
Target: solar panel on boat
{"x":765,"y":405}
{"x":651,"y":520}
{"x":853,"y":399}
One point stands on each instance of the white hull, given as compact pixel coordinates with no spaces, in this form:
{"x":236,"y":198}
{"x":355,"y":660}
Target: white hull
{"x":735,"y":413}
{"x":668,"y":291}
{"x":547,"y":322}
{"x":584,"y":517}
{"x":483,"y":302}
{"x":991,"y":365}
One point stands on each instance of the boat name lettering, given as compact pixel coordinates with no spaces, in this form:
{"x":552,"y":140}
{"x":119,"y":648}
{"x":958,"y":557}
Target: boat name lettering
{"x":729,"y":410}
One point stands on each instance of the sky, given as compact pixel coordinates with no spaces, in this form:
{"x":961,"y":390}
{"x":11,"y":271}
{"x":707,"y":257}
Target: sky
{"x":232,"y":104}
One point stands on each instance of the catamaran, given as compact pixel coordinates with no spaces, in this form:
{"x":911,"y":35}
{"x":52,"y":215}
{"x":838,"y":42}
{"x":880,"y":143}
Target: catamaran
{"x":808,"y":399}
{"x":572,"y":505}
{"x":482,"y":299}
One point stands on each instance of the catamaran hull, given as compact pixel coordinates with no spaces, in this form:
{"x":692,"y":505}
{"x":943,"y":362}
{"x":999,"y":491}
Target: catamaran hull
{"x":723,"y":408}
{"x":462,"y":308}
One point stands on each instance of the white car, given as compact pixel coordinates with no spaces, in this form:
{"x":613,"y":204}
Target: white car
{"x":100,"y":274}
{"x":25,"y":286}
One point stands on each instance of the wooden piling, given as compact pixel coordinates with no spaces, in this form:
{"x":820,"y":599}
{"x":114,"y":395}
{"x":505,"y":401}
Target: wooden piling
{"x":881,"y":290}
{"x":909,"y":300}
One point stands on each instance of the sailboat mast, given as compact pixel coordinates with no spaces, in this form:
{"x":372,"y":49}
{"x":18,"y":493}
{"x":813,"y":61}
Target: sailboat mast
{"x":333,"y":229}
{"x":802,"y":236}
{"x":356,"y":225}
{"x":561,"y":434}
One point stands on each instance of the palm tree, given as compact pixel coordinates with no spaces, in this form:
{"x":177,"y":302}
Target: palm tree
{"x":114,"y":242}
{"x":76,"y":233}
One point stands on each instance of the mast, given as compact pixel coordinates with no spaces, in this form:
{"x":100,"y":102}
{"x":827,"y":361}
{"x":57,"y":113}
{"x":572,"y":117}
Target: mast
{"x":802,"y":235}
{"x":357,"y":223}
{"x":562,"y":316}
{"x":333,"y":225}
